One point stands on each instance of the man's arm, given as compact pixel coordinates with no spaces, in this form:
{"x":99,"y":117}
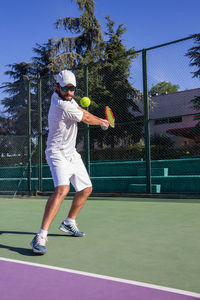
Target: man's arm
{"x":90,"y":119}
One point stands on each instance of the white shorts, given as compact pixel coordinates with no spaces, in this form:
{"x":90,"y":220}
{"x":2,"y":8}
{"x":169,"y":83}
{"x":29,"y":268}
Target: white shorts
{"x":67,"y":169}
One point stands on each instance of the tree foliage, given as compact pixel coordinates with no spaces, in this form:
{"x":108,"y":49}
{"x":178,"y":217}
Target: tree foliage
{"x":163,"y":140}
{"x":109,"y":64}
{"x":15,"y":105}
{"x":194,"y":55}
{"x":112,"y":87}
{"x":85,"y":44}
{"x":163,"y":87}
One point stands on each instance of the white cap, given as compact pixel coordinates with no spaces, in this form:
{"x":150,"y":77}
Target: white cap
{"x":66,"y":77}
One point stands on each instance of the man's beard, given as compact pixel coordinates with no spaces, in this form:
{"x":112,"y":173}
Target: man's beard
{"x":62,"y":97}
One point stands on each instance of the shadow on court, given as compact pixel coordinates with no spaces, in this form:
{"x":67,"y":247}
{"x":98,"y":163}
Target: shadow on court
{"x":30,"y":233}
{"x":24,"y":251}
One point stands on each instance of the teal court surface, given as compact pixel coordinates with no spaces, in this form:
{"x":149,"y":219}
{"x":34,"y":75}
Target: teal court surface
{"x":134,"y":248}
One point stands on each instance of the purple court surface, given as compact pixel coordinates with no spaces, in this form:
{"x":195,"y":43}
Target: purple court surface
{"x":27,"y":281}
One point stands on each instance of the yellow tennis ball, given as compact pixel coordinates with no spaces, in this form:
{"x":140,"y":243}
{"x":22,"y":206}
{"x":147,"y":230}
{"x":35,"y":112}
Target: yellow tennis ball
{"x":85,"y":102}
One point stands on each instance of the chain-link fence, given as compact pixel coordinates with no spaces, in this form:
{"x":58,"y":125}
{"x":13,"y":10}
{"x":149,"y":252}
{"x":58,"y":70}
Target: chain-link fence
{"x":151,"y":124}
{"x":174,"y":123}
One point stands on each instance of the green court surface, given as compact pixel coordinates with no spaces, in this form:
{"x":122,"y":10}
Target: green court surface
{"x":150,"y":240}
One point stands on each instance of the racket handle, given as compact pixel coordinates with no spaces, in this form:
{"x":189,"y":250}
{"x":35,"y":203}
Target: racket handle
{"x":103,"y":128}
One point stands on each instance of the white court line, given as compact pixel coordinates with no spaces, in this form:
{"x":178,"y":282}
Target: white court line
{"x":143,"y":284}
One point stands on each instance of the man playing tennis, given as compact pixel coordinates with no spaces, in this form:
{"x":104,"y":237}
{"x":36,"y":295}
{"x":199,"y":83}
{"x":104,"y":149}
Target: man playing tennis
{"x":64,"y":161}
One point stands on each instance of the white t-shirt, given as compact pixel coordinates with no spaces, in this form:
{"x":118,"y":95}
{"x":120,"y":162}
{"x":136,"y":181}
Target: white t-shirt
{"x":62,"y":121}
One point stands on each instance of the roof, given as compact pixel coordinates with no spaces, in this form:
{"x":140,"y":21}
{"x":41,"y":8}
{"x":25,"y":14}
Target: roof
{"x":174,"y":104}
{"x":187,"y":132}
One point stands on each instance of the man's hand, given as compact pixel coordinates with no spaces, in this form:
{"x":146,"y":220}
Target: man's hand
{"x":90,"y":119}
{"x":105,"y":124}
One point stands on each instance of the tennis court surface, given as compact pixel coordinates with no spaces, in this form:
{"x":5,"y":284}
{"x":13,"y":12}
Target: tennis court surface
{"x":133,"y":249}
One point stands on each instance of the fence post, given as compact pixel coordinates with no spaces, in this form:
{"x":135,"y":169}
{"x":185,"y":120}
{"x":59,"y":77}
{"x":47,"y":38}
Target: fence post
{"x":146,"y":122}
{"x":39,"y":134}
{"x":87,"y":128}
{"x":29,"y":136}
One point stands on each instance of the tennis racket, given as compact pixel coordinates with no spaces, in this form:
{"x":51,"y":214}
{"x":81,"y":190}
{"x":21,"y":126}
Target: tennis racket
{"x":109,"y":116}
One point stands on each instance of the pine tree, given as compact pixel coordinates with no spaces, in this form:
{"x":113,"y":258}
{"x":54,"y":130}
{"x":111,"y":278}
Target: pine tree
{"x":111,"y":87}
{"x":44,"y":59}
{"x":85,"y":44}
{"x":194,"y":55}
{"x":16,"y":103}
{"x":109,"y":64}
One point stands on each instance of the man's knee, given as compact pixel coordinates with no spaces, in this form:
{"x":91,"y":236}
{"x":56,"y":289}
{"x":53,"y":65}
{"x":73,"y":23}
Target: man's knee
{"x":90,"y":190}
{"x":87,"y":190}
{"x":62,"y":191}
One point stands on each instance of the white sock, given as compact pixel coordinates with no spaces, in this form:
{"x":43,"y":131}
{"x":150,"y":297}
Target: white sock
{"x":43,"y":232}
{"x":69,"y":221}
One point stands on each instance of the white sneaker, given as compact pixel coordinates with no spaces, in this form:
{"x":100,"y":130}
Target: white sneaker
{"x":71,"y":229}
{"x":38,"y":244}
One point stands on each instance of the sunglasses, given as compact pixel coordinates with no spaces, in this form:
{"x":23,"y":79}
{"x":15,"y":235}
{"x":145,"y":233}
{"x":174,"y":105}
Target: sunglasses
{"x":68,"y":88}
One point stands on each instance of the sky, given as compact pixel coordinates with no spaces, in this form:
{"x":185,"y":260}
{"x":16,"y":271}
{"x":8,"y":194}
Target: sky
{"x":23,"y":23}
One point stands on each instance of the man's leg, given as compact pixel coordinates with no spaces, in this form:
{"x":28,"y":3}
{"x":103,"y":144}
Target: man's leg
{"x":38,"y":243}
{"x":69,"y":224}
{"x":53,"y":205}
{"x":78,"y":202}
